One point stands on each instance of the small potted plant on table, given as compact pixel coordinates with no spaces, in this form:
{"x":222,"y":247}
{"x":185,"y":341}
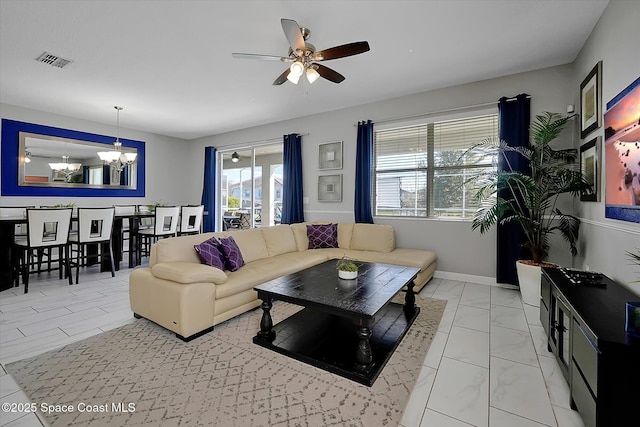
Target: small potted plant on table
{"x":347,"y":268}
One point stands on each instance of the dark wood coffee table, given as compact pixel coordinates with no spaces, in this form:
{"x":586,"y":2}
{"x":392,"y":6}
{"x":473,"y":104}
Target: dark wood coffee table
{"x":348,"y":327}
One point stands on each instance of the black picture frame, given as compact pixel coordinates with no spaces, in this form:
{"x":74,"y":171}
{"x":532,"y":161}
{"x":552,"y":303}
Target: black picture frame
{"x":591,"y":101}
{"x":590,"y":154}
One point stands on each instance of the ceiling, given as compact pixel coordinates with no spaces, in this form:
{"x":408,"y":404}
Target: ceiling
{"x":169,"y":64}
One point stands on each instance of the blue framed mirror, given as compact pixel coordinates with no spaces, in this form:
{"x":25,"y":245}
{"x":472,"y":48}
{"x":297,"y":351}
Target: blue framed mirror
{"x":40,"y":160}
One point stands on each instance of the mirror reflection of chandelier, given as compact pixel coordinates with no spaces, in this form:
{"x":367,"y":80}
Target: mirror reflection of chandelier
{"x":65,"y":168}
{"x":116,"y":158}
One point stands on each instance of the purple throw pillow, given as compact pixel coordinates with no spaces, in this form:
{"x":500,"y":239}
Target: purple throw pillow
{"x":232,"y":253}
{"x":210,"y":254}
{"x":322,"y":236}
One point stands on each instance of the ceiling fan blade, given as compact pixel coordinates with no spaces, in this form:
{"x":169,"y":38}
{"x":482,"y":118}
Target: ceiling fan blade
{"x":329,"y":74}
{"x":349,"y":49}
{"x":281,"y":78}
{"x":256,"y":56}
{"x":294,"y":35}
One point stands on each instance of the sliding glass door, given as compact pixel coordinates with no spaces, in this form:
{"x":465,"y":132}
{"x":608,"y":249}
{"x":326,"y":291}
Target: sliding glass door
{"x":251,"y":187}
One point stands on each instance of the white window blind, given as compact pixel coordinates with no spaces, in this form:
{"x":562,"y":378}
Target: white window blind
{"x":422,"y":170}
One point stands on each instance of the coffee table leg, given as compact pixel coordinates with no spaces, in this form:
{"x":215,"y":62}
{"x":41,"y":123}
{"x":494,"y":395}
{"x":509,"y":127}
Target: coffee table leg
{"x":409,"y":299}
{"x":266,"y":323}
{"x":364,"y":356}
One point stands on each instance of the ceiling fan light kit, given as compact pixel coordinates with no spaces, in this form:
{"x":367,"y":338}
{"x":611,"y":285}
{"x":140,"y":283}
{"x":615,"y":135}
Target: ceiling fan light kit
{"x":303,"y":56}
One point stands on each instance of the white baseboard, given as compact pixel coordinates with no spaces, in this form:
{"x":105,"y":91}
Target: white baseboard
{"x":482,"y":280}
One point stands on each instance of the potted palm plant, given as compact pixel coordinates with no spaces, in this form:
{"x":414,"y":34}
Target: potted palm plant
{"x":529,"y":198}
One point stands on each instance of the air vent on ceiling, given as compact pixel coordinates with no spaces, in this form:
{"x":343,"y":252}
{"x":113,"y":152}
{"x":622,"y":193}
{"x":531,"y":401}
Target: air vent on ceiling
{"x":53,"y":60}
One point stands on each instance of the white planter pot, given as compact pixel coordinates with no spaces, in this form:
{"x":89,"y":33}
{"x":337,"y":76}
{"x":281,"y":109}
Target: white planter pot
{"x":529,"y":279}
{"x":349,"y":275}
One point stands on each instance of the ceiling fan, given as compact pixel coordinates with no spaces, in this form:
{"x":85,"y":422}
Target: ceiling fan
{"x":304,"y":58}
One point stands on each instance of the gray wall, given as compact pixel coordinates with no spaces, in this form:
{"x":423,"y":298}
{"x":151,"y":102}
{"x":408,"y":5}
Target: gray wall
{"x":460,"y":250}
{"x":614,"y":41}
{"x":165,"y":159}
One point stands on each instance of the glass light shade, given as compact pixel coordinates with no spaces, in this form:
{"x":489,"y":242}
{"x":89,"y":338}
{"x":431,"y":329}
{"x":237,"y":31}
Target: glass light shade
{"x":128,"y":158}
{"x":74,"y":167}
{"x":109,"y":156}
{"x":57,"y":166}
{"x":295,"y":71}
{"x":312,"y":75}
{"x":27,"y":159}
{"x":296,"y":68}
{"x":293,"y":78}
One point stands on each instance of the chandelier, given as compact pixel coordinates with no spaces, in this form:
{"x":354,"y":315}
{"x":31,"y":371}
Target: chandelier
{"x":65,"y":168}
{"x":116,"y":158}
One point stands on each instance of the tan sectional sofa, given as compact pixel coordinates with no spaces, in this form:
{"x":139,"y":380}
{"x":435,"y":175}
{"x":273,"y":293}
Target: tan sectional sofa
{"x":179,"y":293}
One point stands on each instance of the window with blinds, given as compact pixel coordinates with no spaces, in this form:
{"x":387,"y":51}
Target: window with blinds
{"x":423,"y":170}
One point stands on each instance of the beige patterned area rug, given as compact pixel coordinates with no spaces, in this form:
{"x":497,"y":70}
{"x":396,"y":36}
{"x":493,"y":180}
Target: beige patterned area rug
{"x":141,"y":374}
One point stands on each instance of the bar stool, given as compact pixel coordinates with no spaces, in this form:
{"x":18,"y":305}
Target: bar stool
{"x":42,"y":253}
{"x":145,"y":222}
{"x":46,"y":229}
{"x":126,"y":233}
{"x":165,"y":225}
{"x":190,"y":219}
{"x":94,"y":228}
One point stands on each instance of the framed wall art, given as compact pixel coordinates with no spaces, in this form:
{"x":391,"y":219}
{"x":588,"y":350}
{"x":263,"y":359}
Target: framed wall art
{"x":622,"y":155}
{"x":591,"y":101}
{"x":330,"y":188}
{"x":590,"y":167}
{"x":330,"y":155}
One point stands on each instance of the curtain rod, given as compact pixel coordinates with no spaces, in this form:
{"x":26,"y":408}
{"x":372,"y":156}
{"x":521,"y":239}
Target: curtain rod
{"x":257,"y":143}
{"x":431,"y":113}
{"x":449,"y":110}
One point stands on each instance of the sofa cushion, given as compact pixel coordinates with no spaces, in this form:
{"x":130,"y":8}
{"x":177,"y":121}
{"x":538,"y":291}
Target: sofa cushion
{"x":261,"y":271}
{"x":177,"y":249}
{"x":279,"y":239}
{"x":300,"y":234}
{"x":232,"y":255}
{"x":210,"y":253}
{"x":419,"y":258}
{"x":345,"y":230}
{"x":251,"y":243}
{"x":188,"y":272}
{"x":373,"y":237}
{"x":322,"y":236}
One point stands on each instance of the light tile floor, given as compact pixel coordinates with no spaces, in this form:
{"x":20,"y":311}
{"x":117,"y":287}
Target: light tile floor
{"x":488,"y":364}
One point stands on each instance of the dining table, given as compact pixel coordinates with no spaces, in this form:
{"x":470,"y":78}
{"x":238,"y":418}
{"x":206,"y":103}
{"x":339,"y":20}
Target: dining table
{"x":7,"y":237}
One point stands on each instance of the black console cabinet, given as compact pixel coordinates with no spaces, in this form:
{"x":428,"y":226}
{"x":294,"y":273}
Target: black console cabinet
{"x":585,"y":326}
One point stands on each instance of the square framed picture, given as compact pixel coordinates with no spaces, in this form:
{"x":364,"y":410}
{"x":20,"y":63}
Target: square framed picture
{"x":590,"y":167}
{"x":591,"y":101}
{"x":330,"y":156}
{"x":330,"y":188}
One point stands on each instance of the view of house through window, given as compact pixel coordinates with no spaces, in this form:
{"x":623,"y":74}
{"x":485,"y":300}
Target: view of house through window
{"x":423,"y":170}
{"x":251,"y":187}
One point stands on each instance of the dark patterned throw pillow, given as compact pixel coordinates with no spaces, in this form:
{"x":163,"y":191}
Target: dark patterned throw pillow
{"x":210,"y":254}
{"x":322,"y":236}
{"x":232,"y":253}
